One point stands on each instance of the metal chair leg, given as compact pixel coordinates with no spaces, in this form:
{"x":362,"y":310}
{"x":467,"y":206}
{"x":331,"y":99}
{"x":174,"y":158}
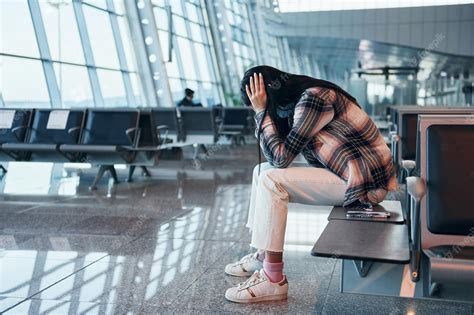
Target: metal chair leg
{"x":113,"y":173}
{"x":145,"y":171}
{"x":98,"y":176}
{"x":131,"y":170}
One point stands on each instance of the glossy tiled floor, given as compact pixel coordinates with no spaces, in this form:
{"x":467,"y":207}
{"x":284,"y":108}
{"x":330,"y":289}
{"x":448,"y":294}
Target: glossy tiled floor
{"x":157,"y":245}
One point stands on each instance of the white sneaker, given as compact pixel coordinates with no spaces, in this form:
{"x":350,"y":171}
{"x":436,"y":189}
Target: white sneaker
{"x":258,"y":288}
{"x":244,"y":267}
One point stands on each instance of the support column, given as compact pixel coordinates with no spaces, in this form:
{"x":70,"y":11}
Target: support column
{"x":152,"y":67}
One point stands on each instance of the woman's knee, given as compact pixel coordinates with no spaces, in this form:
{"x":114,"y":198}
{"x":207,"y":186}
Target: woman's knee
{"x":271,"y":179}
{"x":262,"y":167}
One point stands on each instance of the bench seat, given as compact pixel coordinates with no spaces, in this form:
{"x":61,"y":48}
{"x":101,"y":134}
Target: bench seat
{"x":363,"y":240}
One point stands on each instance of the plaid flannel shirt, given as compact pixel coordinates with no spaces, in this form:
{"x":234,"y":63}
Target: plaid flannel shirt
{"x":333,"y":132}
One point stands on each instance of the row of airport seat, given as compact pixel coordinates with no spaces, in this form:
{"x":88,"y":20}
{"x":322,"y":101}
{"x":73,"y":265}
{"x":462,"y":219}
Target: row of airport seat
{"x":403,"y":122}
{"x":105,"y":137}
{"x":433,"y":234}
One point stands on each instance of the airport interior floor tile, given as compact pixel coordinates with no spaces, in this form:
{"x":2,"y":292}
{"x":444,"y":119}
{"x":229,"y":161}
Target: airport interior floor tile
{"x":160,"y":244}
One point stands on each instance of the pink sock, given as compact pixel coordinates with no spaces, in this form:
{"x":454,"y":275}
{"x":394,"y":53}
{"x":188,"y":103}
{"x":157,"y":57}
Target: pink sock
{"x":274,"y":271}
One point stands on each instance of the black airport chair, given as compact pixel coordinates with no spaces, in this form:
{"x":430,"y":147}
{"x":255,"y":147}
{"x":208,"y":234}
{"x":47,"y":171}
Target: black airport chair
{"x":198,"y":127}
{"x":18,"y":121}
{"x":442,"y":203}
{"x":44,"y":137}
{"x":110,"y":136}
{"x":404,"y":141}
{"x":236,"y":123}
{"x":148,"y":146}
{"x":167,"y":125}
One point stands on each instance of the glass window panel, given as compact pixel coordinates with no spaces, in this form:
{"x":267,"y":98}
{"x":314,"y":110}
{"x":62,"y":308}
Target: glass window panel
{"x":210,"y":97}
{"x":179,"y":26}
{"x":136,"y":89}
{"x":160,"y":3}
{"x":161,"y":18}
{"x":177,"y":90}
{"x":113,"y":91}
{"x":172,"y":67}
{"x":230,"y":18}
{"x":73,"y":82}
{"x":192,"y":12}
{"x":196,"y":32}
{"x":245,"y":52}
{"x":176,"y":7}
{"x":238,"y":20}
{"x":61,"y":31}
{"x":240,"y":66}
{"x":201,"y":57}
{"x":101,"y":37}
{"x":164,"y":43}
{"x":98,"y":3}
{"x":228,"y":4}
{"x":17,"y":35}
{"x":127,"y":43}
{"x":20,"y":90}
{"x":119,"y":6}
{"x":187,"y":58}
{"x":236,"y":47}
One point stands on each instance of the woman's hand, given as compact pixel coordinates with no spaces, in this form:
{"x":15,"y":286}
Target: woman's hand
{"x":256,"y":93}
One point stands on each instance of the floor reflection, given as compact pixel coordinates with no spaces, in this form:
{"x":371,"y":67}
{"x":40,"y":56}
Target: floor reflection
{"x":129,"y":245}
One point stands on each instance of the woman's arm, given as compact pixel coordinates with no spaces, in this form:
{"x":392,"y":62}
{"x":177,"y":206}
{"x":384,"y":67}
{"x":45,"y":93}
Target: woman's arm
{"x":311,"y":115}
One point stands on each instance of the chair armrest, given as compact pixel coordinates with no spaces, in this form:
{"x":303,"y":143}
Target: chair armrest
{"x":394,"y":140}
{"x":394,"y":136}
{"x":16,"y":129}
{"x":162,"y":127}
{"x":159,"y":130}
{"x":408,"y":164}
{"x":416,"y":188}
{"x":133,"y":140}
{"x":73,"y":129}
{"x":408,"y":167}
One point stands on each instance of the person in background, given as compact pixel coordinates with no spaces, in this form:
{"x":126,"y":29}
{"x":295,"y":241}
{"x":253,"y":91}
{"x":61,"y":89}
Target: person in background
{"x":187,"y":101}
{"x":188,"y":98}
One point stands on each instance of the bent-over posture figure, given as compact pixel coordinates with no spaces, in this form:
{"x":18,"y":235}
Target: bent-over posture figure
{"x":349,"y":164}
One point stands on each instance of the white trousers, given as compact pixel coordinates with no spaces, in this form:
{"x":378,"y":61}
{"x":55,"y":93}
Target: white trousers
{"x":274,"y":188}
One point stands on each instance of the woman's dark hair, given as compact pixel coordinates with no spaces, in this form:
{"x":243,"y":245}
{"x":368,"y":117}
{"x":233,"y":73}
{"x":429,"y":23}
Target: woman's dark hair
{"x":283,"y":92}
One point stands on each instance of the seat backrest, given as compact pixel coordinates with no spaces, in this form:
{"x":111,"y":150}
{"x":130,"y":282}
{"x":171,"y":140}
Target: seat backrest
{"x":11,"y":119}
{"x":108,"y":127}
{"x":450,"y":179}
{"x":408,"y":126}
{"x":52,"y":126}
{"x":147,"y":129}
{"x":236,"y":116}
{"x":167,"y":117}
{"x":198,"y":121}
{"x":408,"y":140}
